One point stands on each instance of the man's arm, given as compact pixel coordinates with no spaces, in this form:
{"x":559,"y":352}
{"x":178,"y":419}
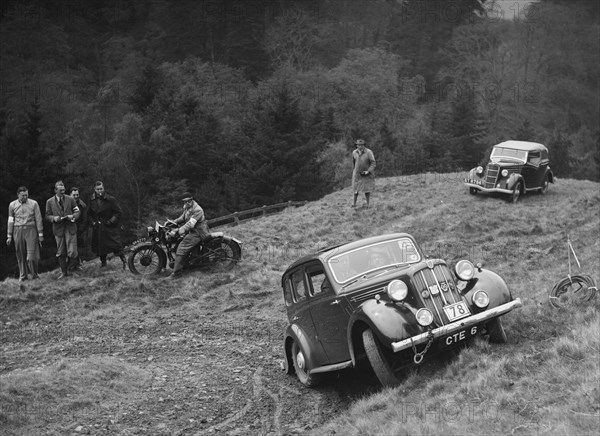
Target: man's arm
{"x":116,"y":211}
{"x":373,"y":164}
{"x":74,"y":208}
{"x":49,"y":214}
{"x":39,"y":222}
{"x":198,"y":215}
{"x":11,"y":224}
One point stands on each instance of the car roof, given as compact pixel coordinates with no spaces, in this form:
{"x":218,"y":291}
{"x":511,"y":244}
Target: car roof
{"x":522,"y":145}
{"x":333,"y":250}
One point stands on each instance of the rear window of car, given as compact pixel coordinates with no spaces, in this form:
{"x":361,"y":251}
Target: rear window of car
{"x":298,"y":286}
{"x":287,"y":292}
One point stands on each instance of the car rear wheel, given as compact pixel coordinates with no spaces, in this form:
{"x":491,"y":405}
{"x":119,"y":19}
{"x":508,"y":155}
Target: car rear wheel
{"x":302,"y":371}
{"x":378,"y":360}
{"x":496,"y":332}
{"x":545,"y":185}
{"x":517,"y":191}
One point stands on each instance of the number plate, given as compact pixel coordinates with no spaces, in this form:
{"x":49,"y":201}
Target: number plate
{"x":457,"y":311}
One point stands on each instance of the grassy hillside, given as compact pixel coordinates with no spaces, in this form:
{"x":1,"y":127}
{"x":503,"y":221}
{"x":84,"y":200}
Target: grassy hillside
{"x":109,"y":352}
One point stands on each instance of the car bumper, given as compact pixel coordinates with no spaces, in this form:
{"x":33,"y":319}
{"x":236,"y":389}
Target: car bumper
{"x":457,"y":325}
{"x":488,"y":190}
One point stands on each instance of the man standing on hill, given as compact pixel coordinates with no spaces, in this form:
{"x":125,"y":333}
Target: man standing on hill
{"x":363,"y":166}
{"x":62,"y":212}
{"x":105,"y":213}
{"x":26,"y":228}
{"x":82,"y":226}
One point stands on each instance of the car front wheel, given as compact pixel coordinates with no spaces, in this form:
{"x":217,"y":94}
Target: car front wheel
{"x":496,"y":332}
{"x":517,"y":190}
{"x":473,"y":191}
{"x":378,"y":360}
{"x":302,"y":372}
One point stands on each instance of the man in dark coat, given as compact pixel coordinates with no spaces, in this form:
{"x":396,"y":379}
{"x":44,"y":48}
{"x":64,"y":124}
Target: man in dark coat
{"x":82,"y":228}
{"x":104,"y":214}
{"x":62,"y":212}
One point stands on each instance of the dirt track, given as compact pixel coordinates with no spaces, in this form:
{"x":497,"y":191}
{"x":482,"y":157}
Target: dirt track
{"x":195,"y":373}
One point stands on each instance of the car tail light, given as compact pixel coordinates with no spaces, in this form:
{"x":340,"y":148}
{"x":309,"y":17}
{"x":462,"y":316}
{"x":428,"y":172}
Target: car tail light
{"x":424,"y":317}
{"x":397,"y":290}
{"x":464,"y":270}
{"x":480,"y":299}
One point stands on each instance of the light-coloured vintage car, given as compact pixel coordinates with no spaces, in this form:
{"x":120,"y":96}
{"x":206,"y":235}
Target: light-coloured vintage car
{"x":515,"y":168}
{"x":381,"y":300}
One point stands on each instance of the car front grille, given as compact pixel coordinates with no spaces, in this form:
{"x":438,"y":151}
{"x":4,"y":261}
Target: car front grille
{"x":491,"y":175}
{"x":437,"y":289}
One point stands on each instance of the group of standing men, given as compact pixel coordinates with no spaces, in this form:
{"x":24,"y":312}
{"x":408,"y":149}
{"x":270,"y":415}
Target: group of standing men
{"x":70,"y":218}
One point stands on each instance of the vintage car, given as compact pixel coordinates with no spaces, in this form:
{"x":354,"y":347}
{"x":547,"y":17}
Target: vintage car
{"x":514,"y":168}
{"x":381,"y":300}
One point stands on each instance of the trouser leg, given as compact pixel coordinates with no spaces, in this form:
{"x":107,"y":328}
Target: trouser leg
{"x":33,"y":267}
{"x":19,"y":237}
{"x":62,"y":262}
{"x":22,"y":261}
{"x":102,"y":260}
{"x":178,"y":266}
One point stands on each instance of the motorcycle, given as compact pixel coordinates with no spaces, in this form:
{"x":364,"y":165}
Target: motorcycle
{"x":149,"y":256}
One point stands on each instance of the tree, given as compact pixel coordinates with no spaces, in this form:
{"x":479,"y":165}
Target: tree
{"x":559,"y":153}
{"x":525,"y":132}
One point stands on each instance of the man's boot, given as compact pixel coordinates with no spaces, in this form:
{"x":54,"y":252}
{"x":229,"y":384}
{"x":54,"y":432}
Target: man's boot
{"x":102,"y":261}
{"x":178,"y":267}
{"x":62,"y":262}
{"x":75,"y":264}
{"x":33,"y":268}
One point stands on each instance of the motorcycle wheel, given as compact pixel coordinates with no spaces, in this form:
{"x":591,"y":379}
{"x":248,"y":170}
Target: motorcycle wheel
{"x":223,"y":255}
{"x":147,"y":260}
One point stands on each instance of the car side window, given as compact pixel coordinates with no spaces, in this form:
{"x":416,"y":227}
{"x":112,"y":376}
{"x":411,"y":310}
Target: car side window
{"x":534,"y":158}
{"x":298,"y":285}
{"x":317,"y":279}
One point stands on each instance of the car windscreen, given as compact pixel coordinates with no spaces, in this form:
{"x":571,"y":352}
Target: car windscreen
{"x":348,"y":265}
{"x":504,"y":153}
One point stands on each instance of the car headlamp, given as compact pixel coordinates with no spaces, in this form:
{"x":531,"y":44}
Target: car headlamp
{"x":464,"y":270}
{"x":480,"y":299}
{"x":424,"y":317}
{"x":479,"y":170}
{"x":504,"y":173}
{"x":397,"y":290}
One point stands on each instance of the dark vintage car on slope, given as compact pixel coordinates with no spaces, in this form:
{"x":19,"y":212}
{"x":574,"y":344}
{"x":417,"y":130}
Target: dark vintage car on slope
{"x":515,"y":168}
{"x":381,"y":300}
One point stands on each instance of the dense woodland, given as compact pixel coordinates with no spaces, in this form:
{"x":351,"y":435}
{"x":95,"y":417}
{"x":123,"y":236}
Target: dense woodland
{"x":249,"y":102}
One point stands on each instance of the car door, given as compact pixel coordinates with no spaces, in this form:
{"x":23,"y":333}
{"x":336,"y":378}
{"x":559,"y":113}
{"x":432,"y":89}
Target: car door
{"x":328,"y":314}
{"x":299,"y":313}
{"x":532,"y":173}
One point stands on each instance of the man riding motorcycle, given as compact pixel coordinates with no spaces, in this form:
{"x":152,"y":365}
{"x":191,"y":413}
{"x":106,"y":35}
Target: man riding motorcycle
{"x":196,"y":228}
